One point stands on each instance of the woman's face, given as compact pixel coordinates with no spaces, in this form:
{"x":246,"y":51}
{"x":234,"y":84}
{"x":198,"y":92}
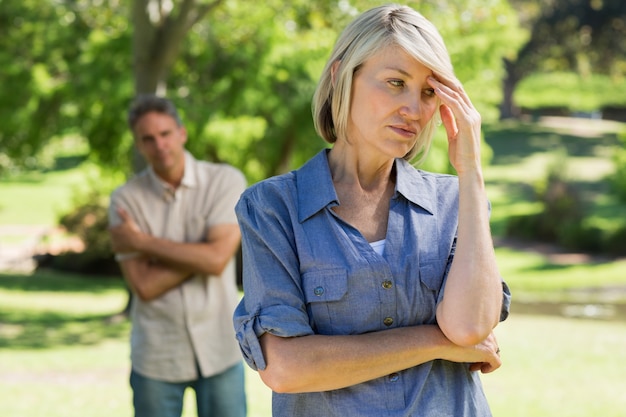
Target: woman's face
{"x":391,"y":103}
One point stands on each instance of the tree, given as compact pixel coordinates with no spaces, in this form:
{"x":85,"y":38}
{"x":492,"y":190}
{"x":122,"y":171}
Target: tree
{"x":586,"y":36}
{"x":243,"y":80}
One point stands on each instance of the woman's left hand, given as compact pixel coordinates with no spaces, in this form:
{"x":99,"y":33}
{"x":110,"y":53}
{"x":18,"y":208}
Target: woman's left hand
{"x":462,"y":123}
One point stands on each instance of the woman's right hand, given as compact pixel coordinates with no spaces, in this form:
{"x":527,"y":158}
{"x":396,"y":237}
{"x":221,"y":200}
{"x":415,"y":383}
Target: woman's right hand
{"x":484,"y":357}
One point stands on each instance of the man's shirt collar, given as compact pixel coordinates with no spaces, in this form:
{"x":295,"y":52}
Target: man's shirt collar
{"x":189,"y":179}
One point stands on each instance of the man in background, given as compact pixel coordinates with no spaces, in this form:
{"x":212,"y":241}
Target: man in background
{"x":175,"y":234}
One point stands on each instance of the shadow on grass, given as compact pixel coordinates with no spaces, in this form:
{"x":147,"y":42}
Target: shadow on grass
{"x":51,"y":281}
{"x":38,"y":174}
{"x":33,"y":327}
{"x":62,"y":163}
{"x":44,"y":330}
{"x":514,"y":142}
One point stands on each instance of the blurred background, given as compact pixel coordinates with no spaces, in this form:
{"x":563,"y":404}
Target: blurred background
{"x":548,"y":77}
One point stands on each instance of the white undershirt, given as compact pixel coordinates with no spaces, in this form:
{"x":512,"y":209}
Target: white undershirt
{"x":379,"y":246}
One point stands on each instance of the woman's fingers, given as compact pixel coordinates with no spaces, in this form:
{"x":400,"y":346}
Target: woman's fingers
{"x":453,"y":88}
{"x":462,"y":122}
{"x":448,"y":120}
{"x":455,"y":97}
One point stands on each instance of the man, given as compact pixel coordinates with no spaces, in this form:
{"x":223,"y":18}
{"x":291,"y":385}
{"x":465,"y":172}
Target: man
{"x":175,"y":234}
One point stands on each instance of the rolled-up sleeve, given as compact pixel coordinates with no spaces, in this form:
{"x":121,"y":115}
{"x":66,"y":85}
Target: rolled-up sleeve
{"x":273,"y":300}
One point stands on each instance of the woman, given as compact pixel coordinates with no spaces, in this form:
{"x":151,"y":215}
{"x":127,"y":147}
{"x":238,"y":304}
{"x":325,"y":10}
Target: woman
{"x":371,"y":288}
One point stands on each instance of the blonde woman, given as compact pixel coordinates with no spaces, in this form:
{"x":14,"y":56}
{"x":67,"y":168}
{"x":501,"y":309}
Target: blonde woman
{"x":371,"y":287}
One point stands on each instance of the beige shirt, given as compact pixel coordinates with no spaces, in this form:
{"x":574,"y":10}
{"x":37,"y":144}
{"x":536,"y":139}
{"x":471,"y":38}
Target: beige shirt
{"x":191,"y":323}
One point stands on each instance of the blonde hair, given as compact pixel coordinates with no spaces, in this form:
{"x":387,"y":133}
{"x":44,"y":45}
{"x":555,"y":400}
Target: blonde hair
{"x":371,"y":32}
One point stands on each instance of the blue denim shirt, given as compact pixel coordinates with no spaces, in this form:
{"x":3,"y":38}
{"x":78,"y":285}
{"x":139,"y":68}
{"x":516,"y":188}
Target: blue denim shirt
{"x":308,"y":272}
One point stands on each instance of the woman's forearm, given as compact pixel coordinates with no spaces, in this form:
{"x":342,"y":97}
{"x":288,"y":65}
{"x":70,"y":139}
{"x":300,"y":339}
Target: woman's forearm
{"x":473,"y":293}
{"x":322,"y":363}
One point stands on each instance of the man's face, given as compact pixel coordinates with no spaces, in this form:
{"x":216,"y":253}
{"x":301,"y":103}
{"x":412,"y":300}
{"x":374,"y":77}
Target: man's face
{"x":161,"y":141}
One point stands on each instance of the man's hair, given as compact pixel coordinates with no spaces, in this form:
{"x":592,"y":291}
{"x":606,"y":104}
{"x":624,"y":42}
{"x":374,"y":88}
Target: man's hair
{"x":370,"y":33}
{"x":146,"y":103}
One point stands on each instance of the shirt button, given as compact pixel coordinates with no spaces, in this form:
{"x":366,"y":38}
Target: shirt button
{"x":387,"y":284}
{"x":394,"y":377}
{"x":388,"y":321}
{"x":318,"y":291}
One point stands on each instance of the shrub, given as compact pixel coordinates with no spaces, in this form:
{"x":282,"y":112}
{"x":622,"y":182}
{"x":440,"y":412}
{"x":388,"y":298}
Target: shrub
{"x":616,"y":242}
{"x":88,"y":220}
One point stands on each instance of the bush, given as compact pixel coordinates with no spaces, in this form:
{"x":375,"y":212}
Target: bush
{"x":561,"y":218}
{"x":563,"y":221}
{"x":616,"y":243}
{"x":88,"y":220}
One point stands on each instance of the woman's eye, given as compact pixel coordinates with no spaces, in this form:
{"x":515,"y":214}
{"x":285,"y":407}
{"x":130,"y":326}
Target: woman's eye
{"x":396,"y":83}
{"x":429,"y":92}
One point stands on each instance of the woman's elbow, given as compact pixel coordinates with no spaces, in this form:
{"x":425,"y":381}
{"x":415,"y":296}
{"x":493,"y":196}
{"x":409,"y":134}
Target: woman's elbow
{"x":279,"y":381}
{"x":285,"y":372}
{"x":466,"y":335}
{"x":463,"y":331}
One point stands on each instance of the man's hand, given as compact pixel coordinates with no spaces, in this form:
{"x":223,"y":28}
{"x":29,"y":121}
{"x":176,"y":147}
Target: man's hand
{"x":126,"y":237}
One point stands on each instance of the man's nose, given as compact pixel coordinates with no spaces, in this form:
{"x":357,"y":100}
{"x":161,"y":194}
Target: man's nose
{"x":160,"y":142}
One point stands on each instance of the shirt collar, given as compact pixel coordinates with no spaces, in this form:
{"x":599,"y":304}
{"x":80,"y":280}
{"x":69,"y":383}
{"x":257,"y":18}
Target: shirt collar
{"x":315,"y":186}
{"x":189,"y":178}
{"x":413,"y":185}
{"x":316,"y":189}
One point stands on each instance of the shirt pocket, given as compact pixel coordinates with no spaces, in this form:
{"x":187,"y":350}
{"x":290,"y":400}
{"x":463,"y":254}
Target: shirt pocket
{"x":432,"y":279}
{"x":195,"y":228}
{"x":324,"y":291}
{"x":431,"y":275}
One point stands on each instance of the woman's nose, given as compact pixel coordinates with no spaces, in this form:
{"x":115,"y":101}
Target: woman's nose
{"x":410,"y":107}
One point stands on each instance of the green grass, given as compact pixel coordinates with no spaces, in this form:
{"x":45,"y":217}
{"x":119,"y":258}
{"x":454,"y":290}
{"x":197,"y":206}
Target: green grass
{"x":558,"y":367}
{"x":552,"y":366}
{"x":61,"y":355}
{"x":571,"y":91}
{"x":42,"y":197}
{"x":533,"y":276}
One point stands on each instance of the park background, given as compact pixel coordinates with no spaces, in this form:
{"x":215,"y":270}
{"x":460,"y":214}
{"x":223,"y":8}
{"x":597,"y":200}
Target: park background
{"x":547,"y":76}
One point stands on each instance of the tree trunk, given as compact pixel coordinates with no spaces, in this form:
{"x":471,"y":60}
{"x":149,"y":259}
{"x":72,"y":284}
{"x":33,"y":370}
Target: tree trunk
{"x":508,"y":109}
{"x":157,"y":38}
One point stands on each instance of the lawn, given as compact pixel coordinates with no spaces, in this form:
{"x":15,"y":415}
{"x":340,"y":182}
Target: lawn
{"x":62,"y":353}
{"x":60,"y":356}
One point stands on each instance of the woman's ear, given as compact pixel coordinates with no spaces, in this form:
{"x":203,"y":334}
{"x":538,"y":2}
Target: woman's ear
{"x":333,"y":72}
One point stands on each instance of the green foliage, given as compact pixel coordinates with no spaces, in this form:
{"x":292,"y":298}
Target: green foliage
{"x":68,"y":69}
{"x":563,"y":219}
{"x":561,"y":209}
{"x":235,"y":69}
{"x":259,"y":81}
{"x":588,"y":37}
{"x":479,"y":36}
{"x":89,"y":221}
